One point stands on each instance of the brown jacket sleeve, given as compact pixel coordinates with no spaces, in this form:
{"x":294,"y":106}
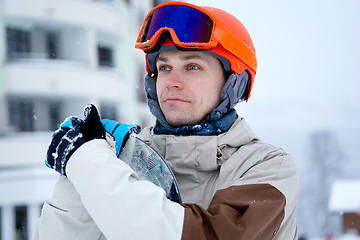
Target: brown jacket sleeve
{"x":246,"y":212}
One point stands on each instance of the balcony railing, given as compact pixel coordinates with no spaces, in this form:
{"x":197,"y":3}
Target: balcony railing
{"x":43,"y":58}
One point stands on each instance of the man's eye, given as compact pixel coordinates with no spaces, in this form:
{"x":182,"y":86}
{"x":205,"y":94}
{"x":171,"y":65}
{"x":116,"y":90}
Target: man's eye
{"x":164,"y":68}
{"x":193,"y":67}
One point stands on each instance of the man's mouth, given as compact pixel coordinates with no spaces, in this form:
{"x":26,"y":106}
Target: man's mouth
{"x":175,"y":100}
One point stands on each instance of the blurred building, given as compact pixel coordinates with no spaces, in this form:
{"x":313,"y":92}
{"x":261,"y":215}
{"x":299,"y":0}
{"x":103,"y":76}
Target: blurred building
{"x":345,"y":200}
{"x":55,"y":58}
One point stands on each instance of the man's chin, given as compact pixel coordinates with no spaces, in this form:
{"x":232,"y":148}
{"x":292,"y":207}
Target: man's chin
{"x":179,"y":121}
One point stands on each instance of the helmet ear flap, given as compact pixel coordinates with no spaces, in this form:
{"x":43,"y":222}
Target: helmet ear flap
{"x":153,"y":103}
{"x":246,"y":93}
{"x":236,"y":88}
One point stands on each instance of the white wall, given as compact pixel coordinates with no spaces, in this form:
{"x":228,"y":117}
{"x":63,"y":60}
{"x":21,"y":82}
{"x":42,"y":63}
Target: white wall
{"x":73,"y":12}
{"x":76,"y":44}
{"x":63,"y":79}
{"x":29,"y":187}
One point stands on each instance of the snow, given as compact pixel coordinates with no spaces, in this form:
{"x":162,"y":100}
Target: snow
{"x":345,"y":196}
{"x":349,"y":236}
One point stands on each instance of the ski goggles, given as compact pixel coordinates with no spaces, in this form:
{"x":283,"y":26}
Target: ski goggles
{"x":190,"y":27}
{"x":187,"y":26}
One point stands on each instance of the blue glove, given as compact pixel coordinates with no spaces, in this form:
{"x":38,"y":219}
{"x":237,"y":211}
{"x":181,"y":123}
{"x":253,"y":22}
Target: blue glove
{"x":73,"y":132}
{"x":120,"y":132}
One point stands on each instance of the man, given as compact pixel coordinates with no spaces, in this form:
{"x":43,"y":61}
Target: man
{"x":200,"y":63}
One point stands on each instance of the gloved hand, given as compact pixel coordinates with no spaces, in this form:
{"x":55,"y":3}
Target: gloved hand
{"x":120,"y":132}
{"x":73,"y":132}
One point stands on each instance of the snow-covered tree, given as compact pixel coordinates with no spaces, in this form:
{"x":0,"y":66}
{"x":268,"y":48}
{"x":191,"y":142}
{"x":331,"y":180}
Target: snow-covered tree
{"x":323,"y":167}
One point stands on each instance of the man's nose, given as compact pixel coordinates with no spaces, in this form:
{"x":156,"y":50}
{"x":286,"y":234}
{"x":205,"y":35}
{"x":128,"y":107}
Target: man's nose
{"x":174,"y":80}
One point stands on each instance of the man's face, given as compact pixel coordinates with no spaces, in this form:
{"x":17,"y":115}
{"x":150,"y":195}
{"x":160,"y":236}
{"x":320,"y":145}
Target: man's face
{"x":188,"y":85}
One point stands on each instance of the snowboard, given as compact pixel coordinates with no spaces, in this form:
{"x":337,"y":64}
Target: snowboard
{"x":150,"y":166}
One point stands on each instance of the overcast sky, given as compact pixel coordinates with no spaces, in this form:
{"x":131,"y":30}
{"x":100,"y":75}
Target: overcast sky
{"x":308,"y":70}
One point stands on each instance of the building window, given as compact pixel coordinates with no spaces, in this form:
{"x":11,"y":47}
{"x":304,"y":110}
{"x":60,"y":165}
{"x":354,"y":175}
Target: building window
{"x":54,"y":113}
{"x":105,"y":56}
{"x":157,"y":2}
{"x":21,"y":223}
{"x":52,"y":45}
{"x":21,"y":115}
{"x":18,"y":43}
{"x":108,"y":111}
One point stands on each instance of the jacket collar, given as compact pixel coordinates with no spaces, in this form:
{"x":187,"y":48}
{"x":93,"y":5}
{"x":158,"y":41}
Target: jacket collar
{"x":205,"y":152}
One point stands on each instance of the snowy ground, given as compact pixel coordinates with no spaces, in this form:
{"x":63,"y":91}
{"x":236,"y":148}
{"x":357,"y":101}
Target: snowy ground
{"x":349,"y":236}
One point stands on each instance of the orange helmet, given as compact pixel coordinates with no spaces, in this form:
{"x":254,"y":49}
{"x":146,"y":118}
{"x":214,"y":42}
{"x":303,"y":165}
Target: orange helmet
{"x":199,"y":27}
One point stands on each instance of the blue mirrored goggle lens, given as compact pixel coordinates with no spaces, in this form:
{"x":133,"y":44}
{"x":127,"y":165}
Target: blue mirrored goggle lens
{"x":189,"y":24}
